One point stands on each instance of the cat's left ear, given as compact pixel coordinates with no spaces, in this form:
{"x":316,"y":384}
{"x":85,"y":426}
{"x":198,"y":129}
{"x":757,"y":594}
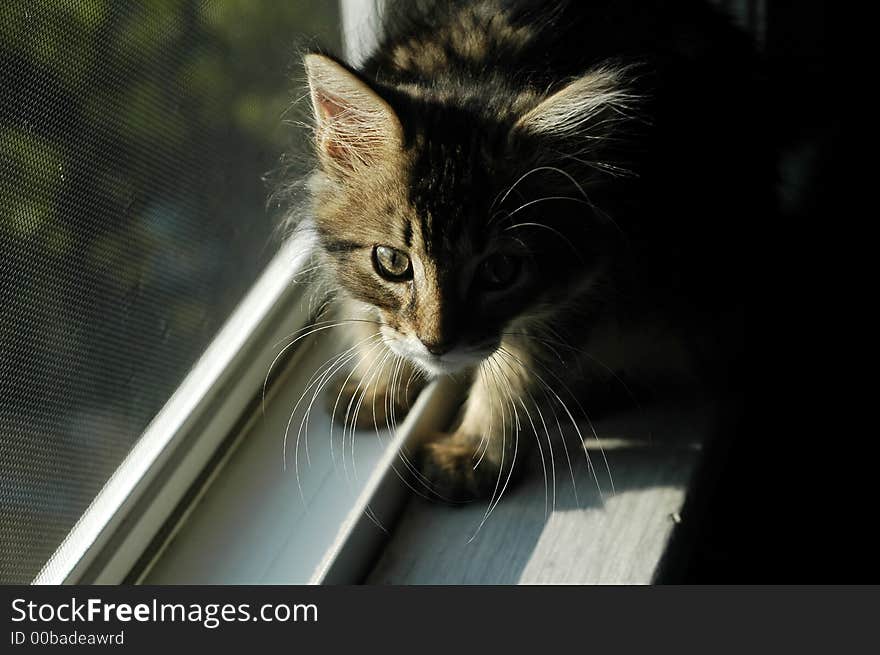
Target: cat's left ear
{"x":592,"y":105}
{"x":354,"y":125}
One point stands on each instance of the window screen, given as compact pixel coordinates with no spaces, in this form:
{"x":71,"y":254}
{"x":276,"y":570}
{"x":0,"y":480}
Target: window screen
{"x":134,"y":140}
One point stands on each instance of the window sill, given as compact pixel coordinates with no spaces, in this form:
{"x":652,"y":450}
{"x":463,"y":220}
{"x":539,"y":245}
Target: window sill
{"x":313,"y":521}
{"x":587,"y":538}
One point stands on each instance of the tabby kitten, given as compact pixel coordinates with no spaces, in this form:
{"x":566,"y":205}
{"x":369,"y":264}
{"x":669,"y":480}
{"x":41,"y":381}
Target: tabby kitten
{"x":505,"y":188}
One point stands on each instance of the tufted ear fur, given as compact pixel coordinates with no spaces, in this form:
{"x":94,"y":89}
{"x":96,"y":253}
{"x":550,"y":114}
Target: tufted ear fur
{"x":590,"y":106}
{"x":354,"y":125}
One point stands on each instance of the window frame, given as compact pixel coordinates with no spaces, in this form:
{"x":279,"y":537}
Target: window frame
{"x":130,"y":509}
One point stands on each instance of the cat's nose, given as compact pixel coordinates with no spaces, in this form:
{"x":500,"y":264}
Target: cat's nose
{"x":436,"y":347}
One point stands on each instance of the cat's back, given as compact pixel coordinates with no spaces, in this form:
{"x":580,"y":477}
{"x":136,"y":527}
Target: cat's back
{"x":539,"y":43}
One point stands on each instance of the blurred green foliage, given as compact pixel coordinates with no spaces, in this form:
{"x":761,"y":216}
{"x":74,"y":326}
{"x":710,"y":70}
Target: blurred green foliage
{"x":176,"y":67}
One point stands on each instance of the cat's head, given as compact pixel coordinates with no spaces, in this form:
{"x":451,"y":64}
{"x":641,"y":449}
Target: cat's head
{"x":456,"y":216}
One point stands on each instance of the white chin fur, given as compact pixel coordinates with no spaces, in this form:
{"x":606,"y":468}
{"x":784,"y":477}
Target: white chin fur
{"x":415,"y":352}
{"x":437,"y":366}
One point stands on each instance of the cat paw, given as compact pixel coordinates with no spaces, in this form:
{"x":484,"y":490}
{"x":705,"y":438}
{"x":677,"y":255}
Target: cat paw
{"x":376,"y":408}
{"x":452,"y":469}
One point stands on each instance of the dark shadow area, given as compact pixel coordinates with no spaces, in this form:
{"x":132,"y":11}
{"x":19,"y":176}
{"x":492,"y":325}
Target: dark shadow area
{"x":787,"y":491}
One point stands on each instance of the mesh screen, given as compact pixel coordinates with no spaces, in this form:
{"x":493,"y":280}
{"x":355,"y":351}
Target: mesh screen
{"x":133,"y":140}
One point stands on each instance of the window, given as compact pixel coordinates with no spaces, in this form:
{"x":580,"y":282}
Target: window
{"x":135,"y":140}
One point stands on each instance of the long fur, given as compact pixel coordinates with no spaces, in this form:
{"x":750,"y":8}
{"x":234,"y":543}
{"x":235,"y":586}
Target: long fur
{"x":612,"y":153}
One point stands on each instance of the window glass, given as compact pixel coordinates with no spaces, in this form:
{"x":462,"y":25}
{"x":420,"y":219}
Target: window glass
{"x":135,"y":139}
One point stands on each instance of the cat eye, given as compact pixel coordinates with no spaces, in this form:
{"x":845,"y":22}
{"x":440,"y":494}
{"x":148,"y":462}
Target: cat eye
{"x":498,"y":271}
{"x":392,"y":264}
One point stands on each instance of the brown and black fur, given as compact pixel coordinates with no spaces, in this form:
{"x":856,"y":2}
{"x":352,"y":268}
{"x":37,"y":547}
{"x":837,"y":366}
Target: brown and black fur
{"x":613,"y":150}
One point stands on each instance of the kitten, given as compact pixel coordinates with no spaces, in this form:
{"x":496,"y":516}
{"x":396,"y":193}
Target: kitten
{"x":505,"y":186}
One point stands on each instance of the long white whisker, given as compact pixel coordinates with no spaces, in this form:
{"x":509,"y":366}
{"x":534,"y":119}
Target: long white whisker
{"x":500,"y":493}
{"x":318,"y":382}
{"x":538,"y":439}
{"x":483,"y":445}
{"x":312,"y":330}
{"x":411,"y":468}
{"x":574,"y":423}
{"x":369,"y":352}
{"x":335,"y":359}
{"x":551,"y":229}
{"x":545,"y":199}
{"x":561,"y":436}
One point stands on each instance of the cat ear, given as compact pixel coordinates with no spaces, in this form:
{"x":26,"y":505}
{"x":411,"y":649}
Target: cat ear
{"x":591,"y":105}
{"x":354,"y":126}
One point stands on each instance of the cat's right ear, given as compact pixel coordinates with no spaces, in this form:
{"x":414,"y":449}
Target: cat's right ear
{"x":354,"y":126}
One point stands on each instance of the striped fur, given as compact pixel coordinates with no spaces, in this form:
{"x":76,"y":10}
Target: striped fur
{"x":609,"y":152}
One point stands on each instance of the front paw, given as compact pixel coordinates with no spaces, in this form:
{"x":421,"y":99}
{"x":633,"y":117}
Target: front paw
{"x":456,"y":469}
